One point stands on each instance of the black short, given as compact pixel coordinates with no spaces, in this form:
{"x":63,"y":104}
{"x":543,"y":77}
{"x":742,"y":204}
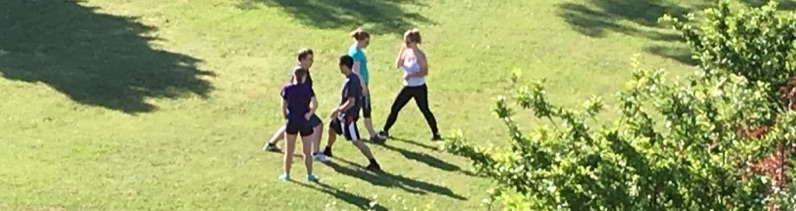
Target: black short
{"x":298,"y":128}
{"x":346,"y":126}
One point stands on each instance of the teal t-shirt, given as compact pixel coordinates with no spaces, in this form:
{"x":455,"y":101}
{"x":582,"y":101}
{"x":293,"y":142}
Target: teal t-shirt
{"x":359,"y":56}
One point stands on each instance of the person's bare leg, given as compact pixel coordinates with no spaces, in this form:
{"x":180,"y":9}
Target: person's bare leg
{"x":366,"y":113}
{"x":315,"y":142}
{"x":373,"y":166}
{"x":271,"y":144}
{"x":306,"y":147}
{"x":290,"y":147}
{"x":369,"y":126}
{"x":364,"y":149}
{"x":317,"y":134}
{"x":329,"y":142}
{"x":332,"y":138}
{"x":278,"y":135}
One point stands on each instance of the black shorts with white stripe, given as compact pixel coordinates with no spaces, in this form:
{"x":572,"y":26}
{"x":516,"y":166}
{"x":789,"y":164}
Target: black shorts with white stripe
{"x":346,"y":126}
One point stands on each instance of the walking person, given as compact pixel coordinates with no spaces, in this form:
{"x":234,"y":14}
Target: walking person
{"x":415,"y":68}
{"x":305,"y":59}
{"x":356,"y":51}
{"x":298,"y":106}
{"x":345,"y":116}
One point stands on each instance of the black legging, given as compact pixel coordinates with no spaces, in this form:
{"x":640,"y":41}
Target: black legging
{"x":420,"y":94}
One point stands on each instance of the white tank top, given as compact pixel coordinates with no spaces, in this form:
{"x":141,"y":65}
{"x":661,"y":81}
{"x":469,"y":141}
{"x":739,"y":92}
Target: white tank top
{"x":410,"y":67}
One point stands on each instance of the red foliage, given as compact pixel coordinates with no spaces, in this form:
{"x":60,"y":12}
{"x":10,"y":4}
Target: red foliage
{"x":773,"y":165}
{"x":788,"y":93}
{"x":753,"y":133}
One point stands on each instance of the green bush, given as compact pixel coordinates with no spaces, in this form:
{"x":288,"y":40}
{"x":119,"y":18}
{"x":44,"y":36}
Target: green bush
{"x":757,"y":43}
{"x":676,"y":145}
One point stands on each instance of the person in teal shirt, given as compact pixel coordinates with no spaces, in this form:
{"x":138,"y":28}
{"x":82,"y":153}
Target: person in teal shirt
{"x":361,"y":41}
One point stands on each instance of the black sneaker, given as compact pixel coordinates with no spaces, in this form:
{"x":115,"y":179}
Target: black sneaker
{"x":378,"y":139}
{"x":328,"y":152}
{"x":384,"y":134}
{"x":373,"y":167}
{"x":436,"y":137}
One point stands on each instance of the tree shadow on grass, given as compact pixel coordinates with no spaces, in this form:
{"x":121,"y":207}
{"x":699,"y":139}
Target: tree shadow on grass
{"x":386,"y":179}
{"x":596,"y":17}
{"x":348,"y":197}
{"x":94,"y":59}
{"x":379,"y":16}
{"x":680,"y":54}
{"x":786,"y":5}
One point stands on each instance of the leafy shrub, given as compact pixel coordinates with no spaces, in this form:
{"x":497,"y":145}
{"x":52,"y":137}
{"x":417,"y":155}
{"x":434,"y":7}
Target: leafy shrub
{"x":718,"y":140}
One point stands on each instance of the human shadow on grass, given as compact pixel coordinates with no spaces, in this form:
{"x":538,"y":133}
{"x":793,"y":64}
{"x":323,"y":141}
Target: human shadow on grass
{"x":425,"y":158}
{"x":94,"y":59}
{"x":386,"y":179}
{"x":414,"y":143}
{"x":596,"y":17}
{"x":348,"y":197}
{"x":380,"y":16}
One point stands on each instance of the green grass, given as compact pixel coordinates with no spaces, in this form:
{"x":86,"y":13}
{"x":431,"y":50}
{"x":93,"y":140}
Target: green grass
{"x":164,"y":105}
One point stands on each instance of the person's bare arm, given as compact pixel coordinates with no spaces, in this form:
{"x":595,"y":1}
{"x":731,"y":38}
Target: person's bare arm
{"x":313,"y":108}
{"x":284,"y":108}
{"x":400,"y":58}
{"x":356,"y":69}
{"x":344,"y":107}
{"x":423,"y":63}
{"x":347,"y":105}
{"x":351,"y":95}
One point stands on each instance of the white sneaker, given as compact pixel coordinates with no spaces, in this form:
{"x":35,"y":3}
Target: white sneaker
{"x":320,"y":157}
{"x":270,"y":148}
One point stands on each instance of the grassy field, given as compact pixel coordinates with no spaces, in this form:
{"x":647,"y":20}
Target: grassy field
{"x":164,"y":105}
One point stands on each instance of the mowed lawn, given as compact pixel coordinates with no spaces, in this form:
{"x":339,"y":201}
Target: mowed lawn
{"x":165,"y":105}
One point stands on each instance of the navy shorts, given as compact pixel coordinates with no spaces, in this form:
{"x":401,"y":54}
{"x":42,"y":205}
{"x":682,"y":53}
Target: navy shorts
{"x":366,"y":109}
{"x":346,"y":126}
{"x":303,"y":129}
{"x":315,"y":121}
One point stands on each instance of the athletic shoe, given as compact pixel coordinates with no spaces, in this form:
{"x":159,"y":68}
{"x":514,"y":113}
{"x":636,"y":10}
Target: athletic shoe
{"x":320,"y":157}
{"x":328,"y":152}
{"x":378,"y":139}
{"x":284,"y":177}
{"x":373,"y":167}
{"x":384,"y":134}
{"x":312,"y":178}
{"x":270,"y":147}
{"x":436,"y":137}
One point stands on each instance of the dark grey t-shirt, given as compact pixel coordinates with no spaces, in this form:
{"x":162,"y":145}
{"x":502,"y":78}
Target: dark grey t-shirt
{"x":352,"y":88}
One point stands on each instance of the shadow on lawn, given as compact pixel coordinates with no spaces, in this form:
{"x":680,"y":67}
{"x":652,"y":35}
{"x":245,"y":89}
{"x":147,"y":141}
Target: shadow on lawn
{"x":386,"y":179}
{"x":379,"y":16}
{"x":425,"y":158}
{"x":596,"y":17}
{"x":414,"y":143}
{"x":350,"y":198}
{"x":94,"y":59}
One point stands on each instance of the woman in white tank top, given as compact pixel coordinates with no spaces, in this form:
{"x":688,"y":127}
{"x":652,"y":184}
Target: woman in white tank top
{"x":412,"y":78}
{"x":415,"y":68}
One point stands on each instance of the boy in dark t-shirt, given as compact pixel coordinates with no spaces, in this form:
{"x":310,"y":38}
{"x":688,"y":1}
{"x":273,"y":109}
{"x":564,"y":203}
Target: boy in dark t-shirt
{"x":344,"y":117}
{"x":298,"y":105}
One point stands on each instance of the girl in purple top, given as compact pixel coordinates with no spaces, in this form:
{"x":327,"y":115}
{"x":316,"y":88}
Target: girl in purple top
{"x":305,"y":60}
{"x":298,"y":105}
